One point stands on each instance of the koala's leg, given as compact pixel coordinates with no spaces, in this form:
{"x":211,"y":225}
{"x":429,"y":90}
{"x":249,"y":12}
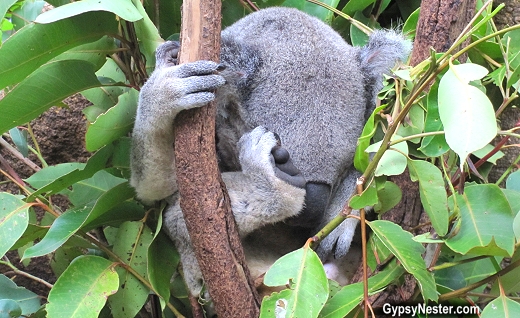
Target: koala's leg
{"x":175,"y":227}
{"x":337,"y":243}
{"x":269,"y":188}
{"x":170,"y":89}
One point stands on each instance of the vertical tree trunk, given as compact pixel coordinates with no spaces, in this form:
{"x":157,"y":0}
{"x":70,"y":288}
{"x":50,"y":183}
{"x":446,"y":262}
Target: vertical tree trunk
{"x":204,"y":200}
{"x":440,"y":23}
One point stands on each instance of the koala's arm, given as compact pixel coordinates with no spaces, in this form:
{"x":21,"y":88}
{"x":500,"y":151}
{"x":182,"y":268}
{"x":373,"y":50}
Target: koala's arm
{"x":269,"y":189}
{"x":170,"y":89}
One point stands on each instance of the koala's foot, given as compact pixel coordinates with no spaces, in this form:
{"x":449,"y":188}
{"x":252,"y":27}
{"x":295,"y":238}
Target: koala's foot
{"x":167,"y":54}
{"x":260,"y":151}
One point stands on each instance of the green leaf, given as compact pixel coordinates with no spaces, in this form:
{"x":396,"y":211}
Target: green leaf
{"x":115,"y":123}
{"x":131,"y":245}
{"x":350,"y":296}
{"x":361,"y":157}
{"x":309,"y":287}
{"x":358,"y":37}
{"x":410,"y":25}
{"x":481,"y":153}
{"x":393,"y":162}
{"x":19,"y":138}
{"x":49,"y":174}
{"x":389,"y":195}
{"x":433,"y":146}
{"x":36,"y":44}
{"x":509,"y":282}
{"x":367,"y":198}
{"x":53,"y":179}
{"x":88,"y":190}
{"x":82,"y":290}
{"x":61,"y":230}
{"x":513,"y":181}
{"x":62,"y":258}
{"x":45,"y":87}
{"x":9,"y":308}
{"x":94,"y":53}
{"x":501,"y":307}
{"x":313,"y":9}
{"x":408,"y":252}
{"x":465,"y":111}
{"x":4,"y":6}
{"x":104,"y":97}
{"x":122,"y":8}
{"x":163,"y":260}
{"x":414,"y":124}
{"x":433,"y":194}
{"x":513,"y":197}
{"x":148,"y":35}
{"x":28,"y":301}
{"x":486,"y":226}
{"x":465,"y":273}
{"x":71,"y":221}
{"x":14,"y":218}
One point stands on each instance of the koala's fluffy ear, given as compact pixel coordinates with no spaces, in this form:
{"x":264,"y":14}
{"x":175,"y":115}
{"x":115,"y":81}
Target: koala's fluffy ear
{"x":384,"y":49}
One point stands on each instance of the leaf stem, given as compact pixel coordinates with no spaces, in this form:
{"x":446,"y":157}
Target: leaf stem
{"x":132,"y":271}
{"x":20,"y":272}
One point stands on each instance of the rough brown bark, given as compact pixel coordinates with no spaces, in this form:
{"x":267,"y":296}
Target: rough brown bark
{"x":508,"y":16}
{"x":440,"y":23}
{"x":204,"y":201}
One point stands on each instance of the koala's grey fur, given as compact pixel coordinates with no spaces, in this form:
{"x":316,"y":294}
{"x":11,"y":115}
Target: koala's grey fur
{"x":287,"y":73}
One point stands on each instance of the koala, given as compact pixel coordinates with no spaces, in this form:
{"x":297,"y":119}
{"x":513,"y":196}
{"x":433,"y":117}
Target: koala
{"x":284,"y":76}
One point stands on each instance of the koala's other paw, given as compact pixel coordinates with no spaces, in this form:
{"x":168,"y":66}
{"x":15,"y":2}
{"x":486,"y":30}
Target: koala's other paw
{"x":260,"y":152}
{"x":167,"y":54}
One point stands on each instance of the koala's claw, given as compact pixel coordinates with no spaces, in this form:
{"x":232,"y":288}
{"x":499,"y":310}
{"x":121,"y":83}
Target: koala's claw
{"x":261,"y":149}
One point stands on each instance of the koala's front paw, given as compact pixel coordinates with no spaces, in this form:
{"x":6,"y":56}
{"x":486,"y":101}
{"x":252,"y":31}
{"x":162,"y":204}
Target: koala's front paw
{"x":260,"y":152}
{"x":167,"y":54}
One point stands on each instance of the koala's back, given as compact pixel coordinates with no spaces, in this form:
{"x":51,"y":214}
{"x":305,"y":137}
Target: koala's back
{"x":307,"y":86}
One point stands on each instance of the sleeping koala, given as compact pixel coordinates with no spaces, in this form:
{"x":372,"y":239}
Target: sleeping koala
{"x":284,"y":75}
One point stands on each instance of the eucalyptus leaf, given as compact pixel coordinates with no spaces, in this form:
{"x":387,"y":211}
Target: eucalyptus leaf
{"x":513,"y":181}
{"x":123,"y":8}
{"x":501,"y":307}
{"x":19,"y":138}
{"x":131,"y":245}
{"x":465,"y":111}
{"x":351,"y":295}
{"x":25,"y":299}
{"x":486,"y":226}
{"x":82,"y":290}
{"x":433,"y":146}
{"x":14,"y":218}
{"x":393,"y":162}
{"x":408,"y":252}
{"x":361,"y":157}
{"x":44,"y":88}
{"x":4,"y":6}
{"x":115,"y":123}
{"x":432,"y":192}
{"x":56,"y":178}
{"x":367,"y":198}
{"x":36,"y":44}
{"x":308,"y":290}
{"x":389,"y":195}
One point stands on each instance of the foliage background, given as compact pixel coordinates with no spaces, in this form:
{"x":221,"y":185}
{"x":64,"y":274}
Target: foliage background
{"x":102,"y":243}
